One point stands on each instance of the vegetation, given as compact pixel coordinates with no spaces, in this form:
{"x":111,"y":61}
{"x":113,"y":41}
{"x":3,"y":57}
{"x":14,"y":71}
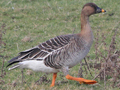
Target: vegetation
{"x":26,"y":23}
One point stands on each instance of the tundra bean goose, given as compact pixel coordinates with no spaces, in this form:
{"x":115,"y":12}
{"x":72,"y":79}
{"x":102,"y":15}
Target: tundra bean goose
{"x":62,"y":52}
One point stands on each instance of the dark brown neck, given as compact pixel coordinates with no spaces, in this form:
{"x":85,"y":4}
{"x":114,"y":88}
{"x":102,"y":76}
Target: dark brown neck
{"x":86,"y":31}
{"x":84,"y":21}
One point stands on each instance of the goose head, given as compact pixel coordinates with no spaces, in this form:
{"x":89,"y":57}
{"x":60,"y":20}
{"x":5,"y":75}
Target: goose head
{"x":91,"y":8}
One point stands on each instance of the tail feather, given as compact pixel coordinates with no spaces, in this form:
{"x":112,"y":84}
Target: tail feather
{"x":13,"y":59}
{"x":13,"y":67}
{"x":12,"y":63}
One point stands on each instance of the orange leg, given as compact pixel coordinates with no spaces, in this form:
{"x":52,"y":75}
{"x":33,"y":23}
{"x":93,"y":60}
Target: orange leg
{"x":81,"y":80}
{"x":53,"y":80}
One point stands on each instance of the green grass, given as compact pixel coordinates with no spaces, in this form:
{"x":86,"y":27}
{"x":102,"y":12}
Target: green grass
{"x":44,"y":19}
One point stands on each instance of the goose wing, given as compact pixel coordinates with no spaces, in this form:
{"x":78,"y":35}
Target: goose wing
{"x":42,"y":51}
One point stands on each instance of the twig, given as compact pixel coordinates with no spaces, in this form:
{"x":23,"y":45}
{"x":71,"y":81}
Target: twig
{"x":88,"y":67}
{"x":73,"y":31}
{"x":23,"y":80}
{"x":105,"y":76}
{"x":96,"y":49}
{"x":2,"y":68}
{"x":85,"y":70}
{"x":80,"y":70}
{"x":98,"y":74}
{"x":17,"y":46}
{"x":22,"y":76}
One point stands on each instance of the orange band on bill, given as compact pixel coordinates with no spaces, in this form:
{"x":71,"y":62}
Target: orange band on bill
{"x":103,"y":10}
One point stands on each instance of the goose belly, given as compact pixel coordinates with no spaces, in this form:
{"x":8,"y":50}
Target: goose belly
{"x":36,"y":65}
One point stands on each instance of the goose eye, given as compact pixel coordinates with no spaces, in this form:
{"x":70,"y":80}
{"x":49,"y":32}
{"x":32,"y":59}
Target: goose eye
{"x":91,"y":5}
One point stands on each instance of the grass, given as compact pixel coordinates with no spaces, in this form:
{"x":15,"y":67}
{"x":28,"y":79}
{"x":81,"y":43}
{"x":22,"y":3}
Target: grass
{"x":43,"y":19}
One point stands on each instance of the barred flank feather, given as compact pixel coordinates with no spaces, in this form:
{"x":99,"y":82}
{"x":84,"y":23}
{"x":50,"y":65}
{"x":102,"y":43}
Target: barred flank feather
{"x":62,"y":56}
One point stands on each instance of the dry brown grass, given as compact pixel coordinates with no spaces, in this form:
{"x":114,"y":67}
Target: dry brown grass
{"x":2,"y":32}
{"x":106,"y":66}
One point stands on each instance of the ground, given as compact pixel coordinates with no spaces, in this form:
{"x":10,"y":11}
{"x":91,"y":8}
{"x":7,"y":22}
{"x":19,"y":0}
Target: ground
{"x":26,"y":23}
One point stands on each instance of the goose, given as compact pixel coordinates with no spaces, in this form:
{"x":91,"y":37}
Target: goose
{"x":61,"y":52}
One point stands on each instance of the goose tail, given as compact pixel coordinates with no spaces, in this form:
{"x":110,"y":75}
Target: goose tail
{"x":13,"y":67}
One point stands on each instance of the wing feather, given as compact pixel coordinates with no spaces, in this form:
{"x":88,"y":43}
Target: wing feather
{"x":66,"y":54}
{"x":43,"y":50}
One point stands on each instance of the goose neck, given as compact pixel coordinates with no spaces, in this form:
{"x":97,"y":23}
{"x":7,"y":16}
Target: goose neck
{"x":86,"y":32}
